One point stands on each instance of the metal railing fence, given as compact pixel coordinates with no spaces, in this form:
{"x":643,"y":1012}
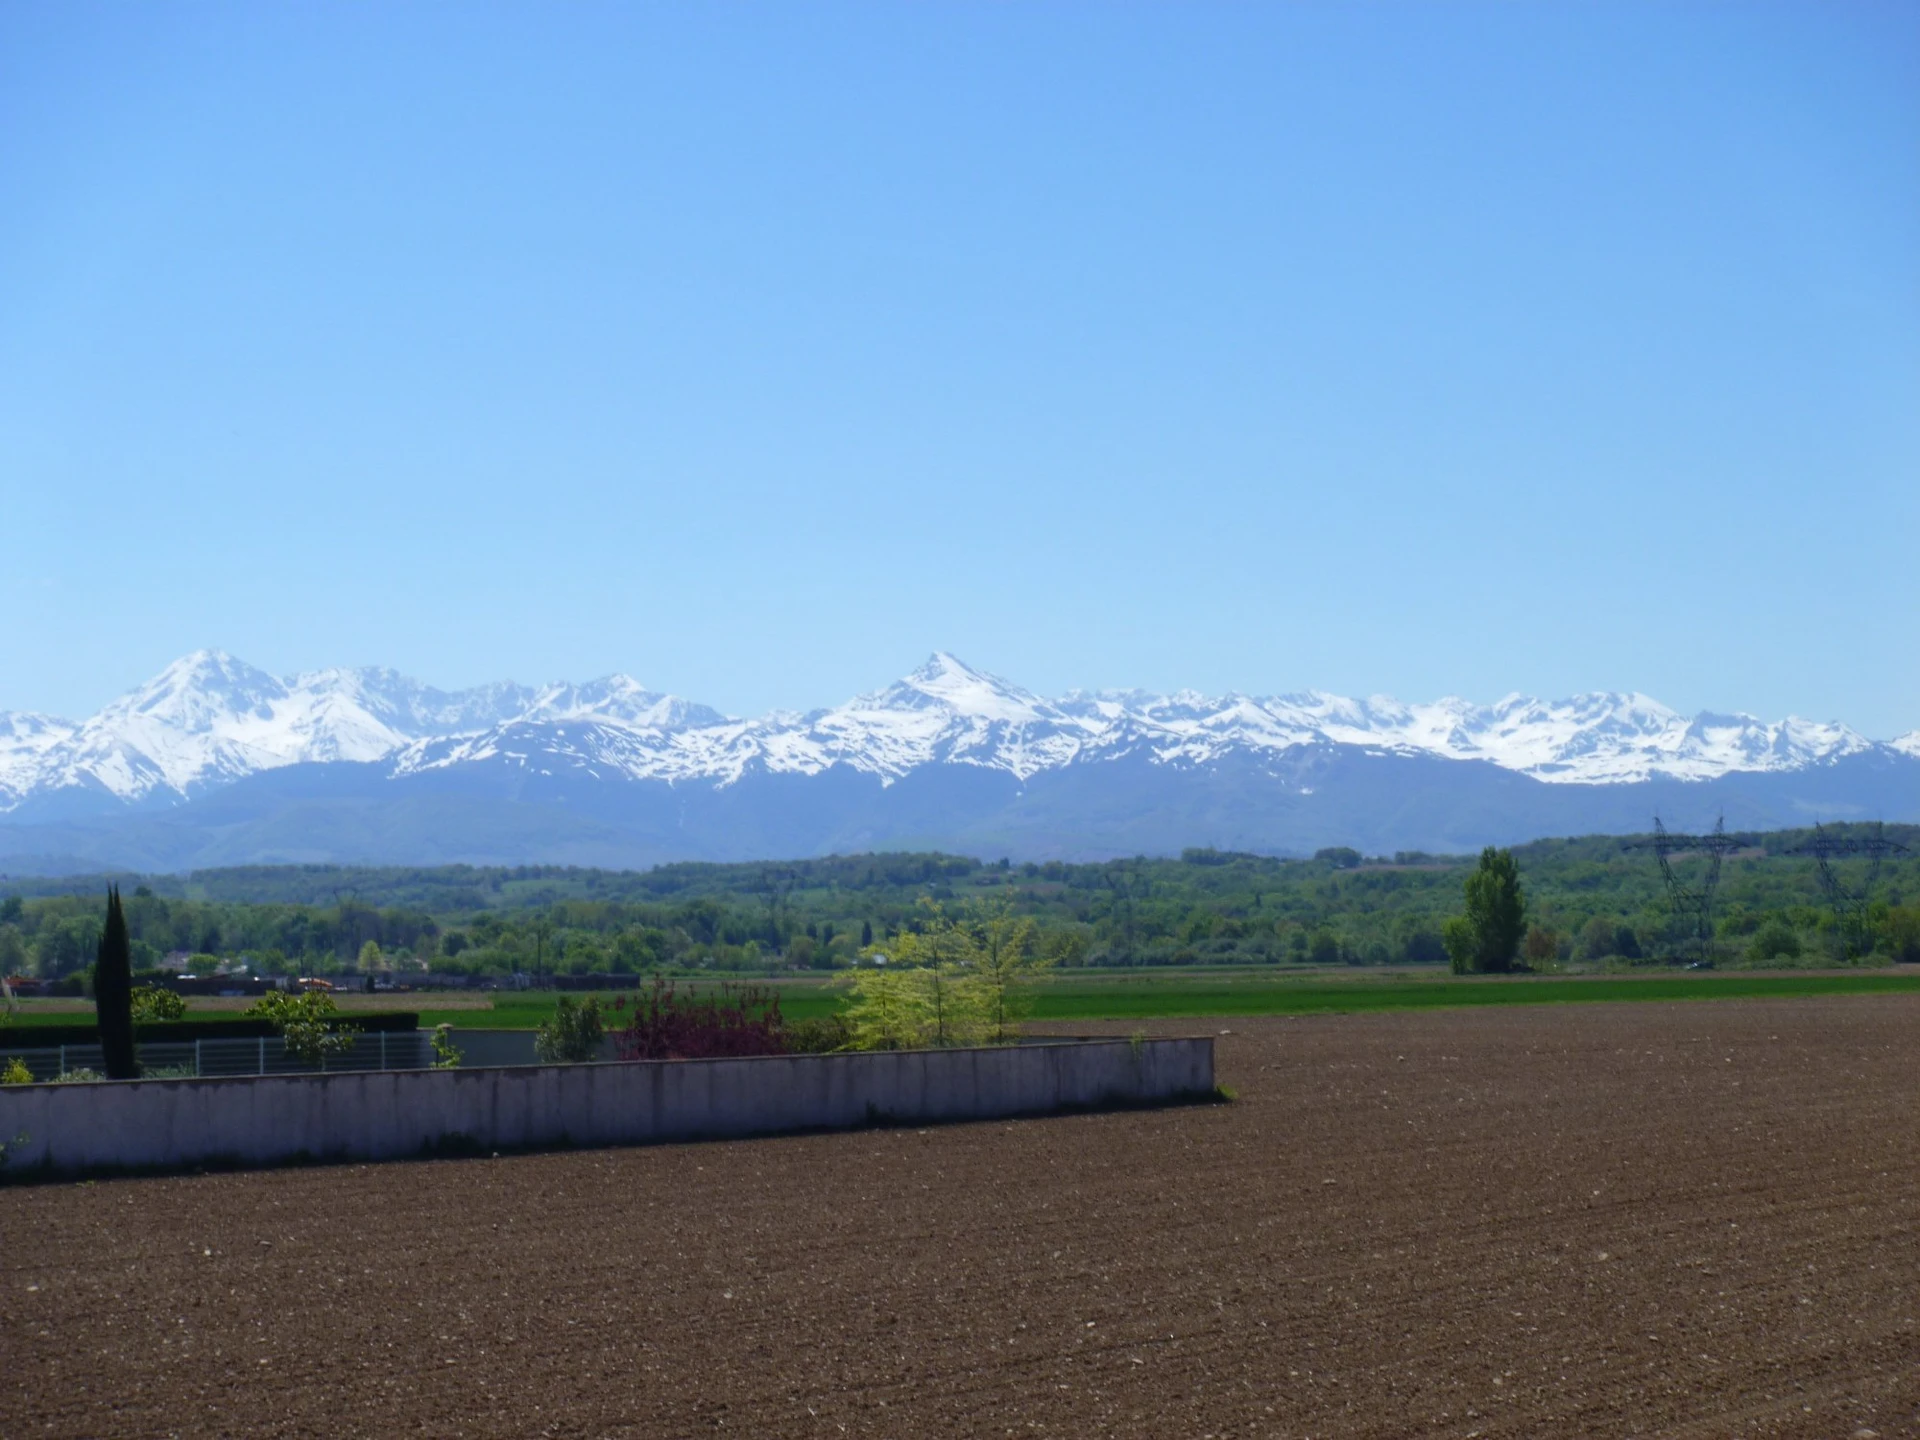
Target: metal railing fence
{"x":247,"y":1055}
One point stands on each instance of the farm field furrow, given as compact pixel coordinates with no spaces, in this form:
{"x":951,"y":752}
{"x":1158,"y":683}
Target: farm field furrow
{"x":1655,"y":1219}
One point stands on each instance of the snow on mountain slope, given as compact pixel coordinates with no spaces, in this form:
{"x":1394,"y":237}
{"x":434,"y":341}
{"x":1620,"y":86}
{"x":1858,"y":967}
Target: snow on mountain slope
{"x":26,"y":740}
{"x":1593,"y":739}
{"x":1908,"y":744}
{"x":204,"y":720}
{"x":209,"y":719}
{"x":948,"y":713}
{"x":943,"y":713}
{"x":375,"y":700}
{"x":1601,"y":738}
{"x":618,"y":699}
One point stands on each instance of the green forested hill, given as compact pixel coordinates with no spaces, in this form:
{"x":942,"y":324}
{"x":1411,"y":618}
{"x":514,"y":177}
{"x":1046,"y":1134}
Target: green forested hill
{"x":1599,"y":897}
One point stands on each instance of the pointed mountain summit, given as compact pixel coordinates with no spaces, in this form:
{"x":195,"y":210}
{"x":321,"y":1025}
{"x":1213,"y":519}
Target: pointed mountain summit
{"x":948,"y":681}
{"x":198,"y":692}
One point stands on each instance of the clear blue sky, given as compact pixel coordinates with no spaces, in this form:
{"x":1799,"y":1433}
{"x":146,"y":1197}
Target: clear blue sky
{"x":759,"y":350}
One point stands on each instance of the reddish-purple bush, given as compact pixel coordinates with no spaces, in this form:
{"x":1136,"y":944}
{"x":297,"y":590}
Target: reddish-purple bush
{"x":735,"y":1020}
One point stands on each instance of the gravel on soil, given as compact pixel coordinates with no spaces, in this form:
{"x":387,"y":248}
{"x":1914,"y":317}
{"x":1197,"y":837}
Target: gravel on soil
{"x":1682,"y":1219}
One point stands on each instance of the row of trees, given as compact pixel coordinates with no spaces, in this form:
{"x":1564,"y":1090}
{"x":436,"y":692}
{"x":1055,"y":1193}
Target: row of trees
{"x":57,"y":935}
{"x":1493,"y":936}
{"x":1586,"y":900}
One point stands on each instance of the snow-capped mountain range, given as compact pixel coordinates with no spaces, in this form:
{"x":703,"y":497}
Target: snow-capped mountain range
{"x":210,"y":720}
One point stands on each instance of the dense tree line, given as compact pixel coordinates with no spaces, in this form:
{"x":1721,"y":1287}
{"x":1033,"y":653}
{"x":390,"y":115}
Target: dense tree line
{"x":58,"y":935}
{"x":1592,"y":899}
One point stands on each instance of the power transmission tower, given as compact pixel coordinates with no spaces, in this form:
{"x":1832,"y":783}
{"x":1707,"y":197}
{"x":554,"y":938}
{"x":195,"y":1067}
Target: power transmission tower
{"x":1127,"y":884}
{"x":776,"y":884}
{"x":1691,"y":900}
{"x":1851,"y":930}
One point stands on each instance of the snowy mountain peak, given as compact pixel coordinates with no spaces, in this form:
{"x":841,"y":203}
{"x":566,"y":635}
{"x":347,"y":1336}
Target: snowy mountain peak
{"x":195,"y":691}
{"x":948,"y":681}
{"x":941,"y":665}
{"x":209,"y":719}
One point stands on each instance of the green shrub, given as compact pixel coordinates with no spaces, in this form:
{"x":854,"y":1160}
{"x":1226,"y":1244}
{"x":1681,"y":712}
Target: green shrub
{"x":820,"y":1035}
{"x":573,"y":1036}
{"x":1903,"y":933}
{"x":1597,"y":939}
{"x":306,"y":1023}
{"x":16,"y":1073}
{"x":1775,"y":940}
{"x":446,"y":1055}
{"x":152,"y":1002}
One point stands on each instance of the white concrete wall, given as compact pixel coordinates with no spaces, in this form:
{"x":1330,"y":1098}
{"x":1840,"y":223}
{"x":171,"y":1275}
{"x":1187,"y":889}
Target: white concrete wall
{"x":66,"y":1129}
{"x":500,"y":1047}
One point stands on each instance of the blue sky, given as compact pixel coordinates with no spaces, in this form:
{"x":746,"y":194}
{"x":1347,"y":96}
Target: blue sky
{"x":758,"y":351}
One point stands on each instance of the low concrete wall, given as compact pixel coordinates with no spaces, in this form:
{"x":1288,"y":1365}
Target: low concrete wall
{"x":137,"y":1124}
{"x":480,"y":1048}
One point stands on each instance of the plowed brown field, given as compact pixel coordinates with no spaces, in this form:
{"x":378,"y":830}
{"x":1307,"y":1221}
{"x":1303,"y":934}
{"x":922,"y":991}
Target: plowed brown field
{"x":1694,"y":1219}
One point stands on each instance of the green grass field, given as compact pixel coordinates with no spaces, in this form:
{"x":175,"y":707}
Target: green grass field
{"x":1173,"y":994}
{"x":1164,"y":994}
{"x":1262,"y":996}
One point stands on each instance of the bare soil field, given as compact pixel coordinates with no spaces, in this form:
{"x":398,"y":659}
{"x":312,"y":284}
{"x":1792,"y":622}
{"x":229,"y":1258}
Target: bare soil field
{"x":1685,"y":1220}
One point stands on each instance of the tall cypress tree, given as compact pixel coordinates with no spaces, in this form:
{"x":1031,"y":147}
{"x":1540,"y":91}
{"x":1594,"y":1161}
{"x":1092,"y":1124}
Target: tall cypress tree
{"x":113,"y":993}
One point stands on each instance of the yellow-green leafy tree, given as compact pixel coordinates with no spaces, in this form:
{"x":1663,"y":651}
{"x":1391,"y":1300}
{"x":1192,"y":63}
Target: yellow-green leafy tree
{"x":921,"y":989}
{"x":1005,"y":960}
{"x":947,"y":982}
{"x":887,"y":1008}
